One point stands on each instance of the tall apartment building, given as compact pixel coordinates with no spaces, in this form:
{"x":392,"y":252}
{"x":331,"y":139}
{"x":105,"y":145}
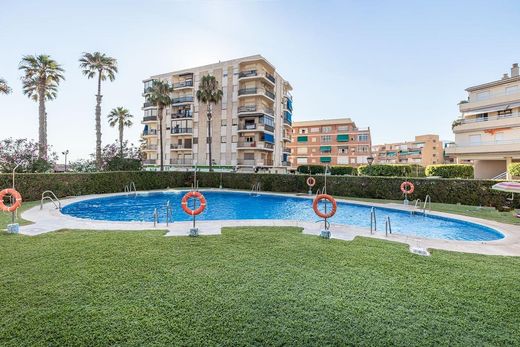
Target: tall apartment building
{"x":330,"y":141}
{"x":488,"y":130}
{"x":425,"y":150}
{"x":250,"y":126}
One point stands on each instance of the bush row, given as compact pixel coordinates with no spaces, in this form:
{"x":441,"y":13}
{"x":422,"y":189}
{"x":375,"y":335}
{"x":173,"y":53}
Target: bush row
{"x":514,"y":169}
{"x":450,"y":170}
{"x":471,"y":192}
{"x":334,"y":170}
{"x":391,"y":170}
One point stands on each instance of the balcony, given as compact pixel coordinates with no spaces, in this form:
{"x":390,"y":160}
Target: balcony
{"x":180,"y":131}
{"x":150,"y":132}
{"x":149,"y":161}
{"x":184,"y":84}
{"x":286,"y":150}
{"x":483,"y":123}
{"x":251,"y":109}
{"x":149,"y":119}
{"x":256,"y":91}
{"x":255,"y":127}
{"x":181,"y":161}
{"x":182,"y":114}
{"x":182,"y":100}
{"x":287,"y":118}
{"x":255,"y":162}
{"x":256,"y":73}
{"x":492,"y":100}
{"x":484,"y":147}
{"x":255,"y":145}
{"x":150,"y":147}
{"x":148,"y":104}
{"x":180,"y":147}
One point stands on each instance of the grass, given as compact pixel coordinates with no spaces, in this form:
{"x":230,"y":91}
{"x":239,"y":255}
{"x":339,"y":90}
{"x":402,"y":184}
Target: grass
{"x":489,"y":213}
{"x":249,"y":286}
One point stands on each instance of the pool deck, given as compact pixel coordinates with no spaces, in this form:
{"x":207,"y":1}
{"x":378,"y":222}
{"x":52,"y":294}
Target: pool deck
{"x":50,"y":219}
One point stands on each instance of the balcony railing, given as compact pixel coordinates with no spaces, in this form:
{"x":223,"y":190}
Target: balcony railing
{"x":182,"y":114}
{"x":247,"y":127}
{"x":182,"y":99}
{"x":248,"y":73}
{"x":252,"y":91}
{"x":183,"y":84}
{"x":247,"y":144}
{"x":150,"y":132}
{"x":270,"y":77}
{"x":181,"y":161}
{"x":255,"y":162}
{"x":247,"y":91}
{"x":148,"y":104}
{"x":149,"y":161}
{"x":255,"y":108}
{"x":150,"y":147}
{"x":483,"y":143}
{"x":149,"y":118}
{"x":269,"y":94}
{"x":181,"y":130}
{"x":461,"y":121}
{"x":178,"y":146}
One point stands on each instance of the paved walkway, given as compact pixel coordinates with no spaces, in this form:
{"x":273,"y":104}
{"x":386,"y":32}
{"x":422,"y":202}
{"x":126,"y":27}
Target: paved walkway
{"x":50,"y":219}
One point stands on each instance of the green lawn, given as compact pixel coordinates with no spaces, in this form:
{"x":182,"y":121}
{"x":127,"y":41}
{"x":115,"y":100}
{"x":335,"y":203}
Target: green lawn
{"x":249,"y":286}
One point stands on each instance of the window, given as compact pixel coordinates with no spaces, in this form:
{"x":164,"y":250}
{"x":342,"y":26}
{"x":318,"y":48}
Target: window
{"x":342,"y":160}
{"x":474,"y":139}
{"x":342,"y":128}
{"x":512,"y":90}
{"x":504,"y":113}
{"x":301,"y":150}
{"x":483,"y":95}
{"x":250,"y":139}
{"x":363,"y":149}
{"x":249,"y":156}
{"x":234,"y":138}
{"x":326,"y":129}
{"x":314,"y":139}
{"x":342,"y":150}
{"x":499,"y":137}
{"x":223,"y":122}
{"x":195,"y":140}
{"x":363,"y":137}
{"x":326,"y":138}
{"x":303,"y":131}
{"x":223,"y":139}
{"x":315,"y":130}
{"x":301,"y":160}
{"x":234,"y":121}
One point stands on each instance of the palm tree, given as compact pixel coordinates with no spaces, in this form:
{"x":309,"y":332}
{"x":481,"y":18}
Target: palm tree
{"x":120,"y":116}
{"x":159,"y":95}
{"x":40,"y":81}
{"x":105,"y":67}
{"x":209,"y":94}
{"x":4,"y":87}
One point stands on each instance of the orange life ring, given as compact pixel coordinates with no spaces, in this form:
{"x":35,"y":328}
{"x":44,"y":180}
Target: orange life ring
{"x":184,"y":203}
{"x":311,"y":181}
{"x":407,"y":187}
{"x":330,"y":199}
{"x":17,"y":200}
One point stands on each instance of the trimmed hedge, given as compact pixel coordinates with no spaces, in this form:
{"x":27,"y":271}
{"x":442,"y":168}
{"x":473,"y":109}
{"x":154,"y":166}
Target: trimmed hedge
{"x":470,"y":192}
{"x":514,"y":169}
{"x":343,"y":170}
{"x":311,"y":169}
{"x":391,"y":170}
{"x":450,"y":170}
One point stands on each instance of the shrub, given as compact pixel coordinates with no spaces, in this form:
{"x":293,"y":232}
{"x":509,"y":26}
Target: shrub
{"x":311,"y":169}
{"x":343,"y":170}
{"x":391,"y":170}
{"x":469,"y":192}
{"x":450,"y":170}
{"x":123,"y":164}
{"x":514,"y":169}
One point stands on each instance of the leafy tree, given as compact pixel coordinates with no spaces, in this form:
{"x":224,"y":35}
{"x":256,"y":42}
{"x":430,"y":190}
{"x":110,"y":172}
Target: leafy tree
{"x":209,"y":93}
{"x":23,"y":152}
{"x":40,"y":81}
{"x":104,"y":67}
{"x":121,"y":117}
{"x":159,"y":95}
{"x":83,"y":165}
{"x":4,"y":87}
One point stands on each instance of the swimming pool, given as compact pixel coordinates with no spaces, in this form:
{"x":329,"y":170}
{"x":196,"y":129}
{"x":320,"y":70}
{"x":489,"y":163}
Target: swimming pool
{"x":243,"y":206}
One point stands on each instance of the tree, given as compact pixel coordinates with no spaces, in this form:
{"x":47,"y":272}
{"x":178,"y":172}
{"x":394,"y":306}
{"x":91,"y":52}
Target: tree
{"x":4,"y":87}
{"x":104,"y":67}
{"x":111,"y":160}
{"x":23,"y":153}
{"x":209,"y":93}
{"x":40,"y":81}
{"x":159,"y":95}
{"x":121,"y":117}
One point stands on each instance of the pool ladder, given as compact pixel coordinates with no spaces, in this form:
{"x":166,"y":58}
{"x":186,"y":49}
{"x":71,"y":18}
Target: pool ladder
{"x":169,"y":214}
{"x":255,"y":190}
{"x":49,"y":195}
{"x":130,"y":187}
{"x":373,"y":220}
{"x":388,"y":226}
{"x":427,"y":203}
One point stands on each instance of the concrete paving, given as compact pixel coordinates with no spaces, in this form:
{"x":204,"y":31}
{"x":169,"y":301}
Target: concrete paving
{"x":51,"y":219}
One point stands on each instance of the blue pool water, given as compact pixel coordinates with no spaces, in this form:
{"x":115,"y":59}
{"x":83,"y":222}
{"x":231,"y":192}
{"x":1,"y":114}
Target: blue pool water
{"x":232,"y":205}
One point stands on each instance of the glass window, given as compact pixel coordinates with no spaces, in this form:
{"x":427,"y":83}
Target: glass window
{"x":249,"y":156}
{"x":301,"y":160}
{"x":363,"y":137}
{"x":474,"y":138}
{"x":343,"y":128}
{"x":223,"y":139}
{"x":223,"y":122}
{"x":234,"y":138}
{"x":512,"y":90}
{"x":315,"y":130}
{"x":326,"y":138}
{"x":326,"y":129}
{"x":234,"y":121}
{"x":301,"y":150}
{"x":483,"y":95}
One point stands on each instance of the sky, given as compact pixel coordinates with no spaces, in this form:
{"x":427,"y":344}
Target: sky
{"x":398,"y":67}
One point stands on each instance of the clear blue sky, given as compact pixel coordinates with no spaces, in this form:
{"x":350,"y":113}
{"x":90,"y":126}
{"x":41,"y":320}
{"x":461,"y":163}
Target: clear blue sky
{"x":399,"y":67}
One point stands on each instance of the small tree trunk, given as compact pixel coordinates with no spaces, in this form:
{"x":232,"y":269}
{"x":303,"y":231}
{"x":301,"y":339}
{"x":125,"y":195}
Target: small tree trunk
{"x":98,"y":124}
{"x":121,"y":129}
{"x":209,"y":137}
{"x":42,"y":131}
{"x":160,"y":113}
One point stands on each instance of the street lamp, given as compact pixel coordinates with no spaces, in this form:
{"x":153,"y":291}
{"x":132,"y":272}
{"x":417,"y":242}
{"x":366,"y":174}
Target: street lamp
{"x":66,"y":153}
{"x":370,"y":160}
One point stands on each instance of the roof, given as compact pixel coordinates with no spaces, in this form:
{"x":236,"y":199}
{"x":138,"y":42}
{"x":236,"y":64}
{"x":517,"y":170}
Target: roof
{"x":494,"y":83}
{"x":322,"y":122}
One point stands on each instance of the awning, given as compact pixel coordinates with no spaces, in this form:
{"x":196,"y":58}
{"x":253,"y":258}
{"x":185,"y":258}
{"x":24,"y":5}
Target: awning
{"x":325,"y":159}
{"x":492,"y":109}
{"x":302,"y":138}
{"x":342,"y":138}
{"x":325,"y":148}
{"x":510,"y":187}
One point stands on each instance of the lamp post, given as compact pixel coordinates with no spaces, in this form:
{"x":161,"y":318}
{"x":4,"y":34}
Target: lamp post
{"x":370,"y":160}
{"x":66,"y":153}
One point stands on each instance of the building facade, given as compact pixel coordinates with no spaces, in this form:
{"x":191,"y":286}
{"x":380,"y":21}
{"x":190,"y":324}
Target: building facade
{"x":425,"y":150}
{"x":329,"y":142}
{"x":487,"y":132}
{"x":250,"y":127}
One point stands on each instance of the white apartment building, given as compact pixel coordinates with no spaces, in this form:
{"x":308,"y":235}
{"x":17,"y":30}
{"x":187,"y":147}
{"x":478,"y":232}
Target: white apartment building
{"x":250,"y":126}
{"x":487,"y":133}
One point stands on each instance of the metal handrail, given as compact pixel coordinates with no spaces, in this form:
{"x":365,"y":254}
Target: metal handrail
{"x":388,"y":226}
{"x":169,"y":212}
{"x":155,"y":218}
{"x":52,"y":197}
{"x":255,"y":190}
{"x":373,"y":220}
{"x":427,"y":201}
{"x":417,"y":202}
